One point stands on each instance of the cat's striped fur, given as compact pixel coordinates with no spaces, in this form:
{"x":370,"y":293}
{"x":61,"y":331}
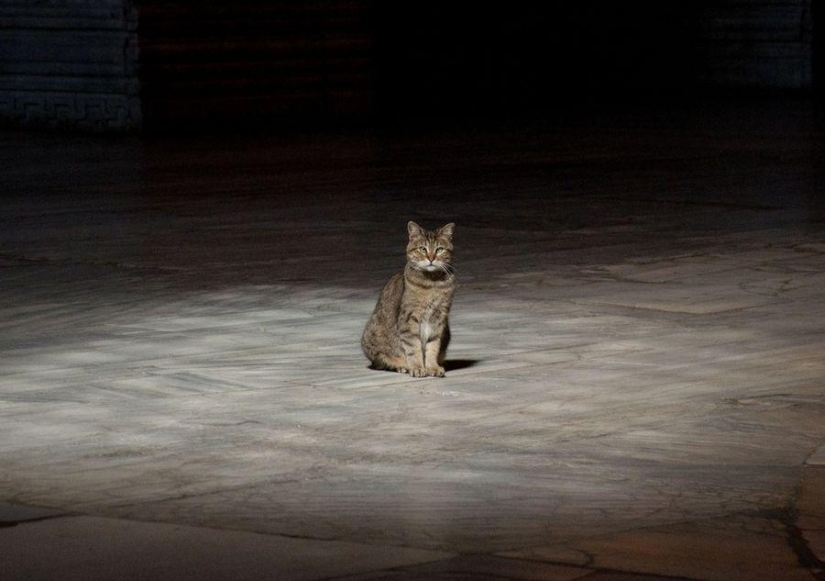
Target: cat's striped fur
{"x":409,"y":329}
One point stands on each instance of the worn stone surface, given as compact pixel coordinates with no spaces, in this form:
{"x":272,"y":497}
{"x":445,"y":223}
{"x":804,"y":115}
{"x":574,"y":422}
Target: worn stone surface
{"x":636,"y":374}
{"x":810,"y":513}
{"x":480,"y":567}
{"x":11,"y":515}
{"x":90,"y":549}
{"x":737,"y":547}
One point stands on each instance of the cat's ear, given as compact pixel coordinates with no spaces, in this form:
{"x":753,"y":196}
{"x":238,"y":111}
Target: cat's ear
{"x":415,"y":230}
{"x":446,"y":231}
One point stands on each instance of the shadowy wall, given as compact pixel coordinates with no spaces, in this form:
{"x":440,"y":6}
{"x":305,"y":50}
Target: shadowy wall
{"x":245,"y":64}
{"x":511,"y":57}
{"x":233,"y":63}
{"x":69,"y":64}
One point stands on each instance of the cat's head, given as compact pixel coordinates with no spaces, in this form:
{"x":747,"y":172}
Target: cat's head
{"x":430,"y":251}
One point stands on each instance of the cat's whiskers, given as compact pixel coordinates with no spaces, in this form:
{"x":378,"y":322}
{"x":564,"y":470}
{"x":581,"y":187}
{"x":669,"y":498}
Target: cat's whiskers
{"x":438,"y":266}
{"x":446,"y":268}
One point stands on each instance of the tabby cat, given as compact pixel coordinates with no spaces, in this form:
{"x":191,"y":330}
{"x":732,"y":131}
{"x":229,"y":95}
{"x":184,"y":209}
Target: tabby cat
{"x":408,"y":331}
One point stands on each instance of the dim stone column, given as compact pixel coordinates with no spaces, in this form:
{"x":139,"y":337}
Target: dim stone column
{"x":69,"y":64}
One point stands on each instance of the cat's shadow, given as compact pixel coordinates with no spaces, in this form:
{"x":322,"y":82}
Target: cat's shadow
{"x":449,"y":365}
{"x":456,"y":364}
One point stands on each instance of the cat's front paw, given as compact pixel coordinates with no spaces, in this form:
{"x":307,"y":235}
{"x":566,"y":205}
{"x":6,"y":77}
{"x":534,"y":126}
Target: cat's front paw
{"x":435,"y":371}
{"x":418,"y":372}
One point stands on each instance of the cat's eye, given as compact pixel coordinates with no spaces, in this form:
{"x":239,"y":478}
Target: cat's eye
{"x":439,"y":250}
{"x":422,"y":249}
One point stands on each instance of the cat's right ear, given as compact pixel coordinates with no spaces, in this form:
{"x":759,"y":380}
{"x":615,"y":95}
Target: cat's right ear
{"x":446,"y":231}
{"x":414,"y":230}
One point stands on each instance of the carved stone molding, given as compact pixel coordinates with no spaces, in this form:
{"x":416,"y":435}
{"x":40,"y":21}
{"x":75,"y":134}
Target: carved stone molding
{"x":69,"y":63}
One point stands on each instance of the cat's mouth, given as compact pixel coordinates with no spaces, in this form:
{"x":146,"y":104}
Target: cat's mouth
{"x":427,"y":266}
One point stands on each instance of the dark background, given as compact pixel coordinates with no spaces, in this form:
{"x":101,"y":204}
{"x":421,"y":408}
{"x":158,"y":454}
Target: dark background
{"x":157,"y":65}
{"x":509,"y":58}
{"x":248,"y":63}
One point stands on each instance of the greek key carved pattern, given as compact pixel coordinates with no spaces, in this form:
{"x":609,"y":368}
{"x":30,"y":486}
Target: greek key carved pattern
{"x":90,"y":112}
{"x":32,"y":91}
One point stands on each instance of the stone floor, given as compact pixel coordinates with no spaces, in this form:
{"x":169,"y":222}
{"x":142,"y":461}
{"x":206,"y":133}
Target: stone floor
{"x":635,"y":389}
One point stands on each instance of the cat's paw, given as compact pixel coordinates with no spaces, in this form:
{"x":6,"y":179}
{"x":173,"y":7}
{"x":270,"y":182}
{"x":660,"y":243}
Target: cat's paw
{"x":402,"y":370}
{"x":418,"y":372}
{"x":435,"y":371}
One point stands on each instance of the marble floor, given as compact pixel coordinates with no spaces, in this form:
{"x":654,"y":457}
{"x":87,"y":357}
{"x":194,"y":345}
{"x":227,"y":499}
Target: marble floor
{"x":635,"y":387}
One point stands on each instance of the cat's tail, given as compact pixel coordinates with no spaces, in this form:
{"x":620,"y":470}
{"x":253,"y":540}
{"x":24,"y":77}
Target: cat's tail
{"x":374,"y":347}
{"x":382,"y":363}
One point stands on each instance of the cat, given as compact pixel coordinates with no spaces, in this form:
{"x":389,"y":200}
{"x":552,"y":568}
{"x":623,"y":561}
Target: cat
{"x":409,"y":330}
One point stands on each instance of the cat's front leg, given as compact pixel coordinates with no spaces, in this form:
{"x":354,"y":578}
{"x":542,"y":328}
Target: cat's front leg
{"x":416,"y":365}
{"x":415,"y":356}
{"x":431,"y":355}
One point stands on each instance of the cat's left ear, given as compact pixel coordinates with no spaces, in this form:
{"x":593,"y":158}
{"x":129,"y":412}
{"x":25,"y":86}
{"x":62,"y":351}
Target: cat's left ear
{"x":414,"y":230}
{"x":446,"y":231}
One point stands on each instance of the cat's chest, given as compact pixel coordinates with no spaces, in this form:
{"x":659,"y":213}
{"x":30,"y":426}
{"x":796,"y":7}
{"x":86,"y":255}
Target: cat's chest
{"x":431,"y":321}
{"x":428,"y":308}
{"x":425,"y":331}
{"x":431,"y":305}
{"x":431,"y":315}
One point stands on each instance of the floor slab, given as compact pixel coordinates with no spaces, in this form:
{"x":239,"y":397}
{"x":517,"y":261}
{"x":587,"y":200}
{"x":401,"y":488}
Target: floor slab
{"x":635,"y":380}
{"x":92,"y":548}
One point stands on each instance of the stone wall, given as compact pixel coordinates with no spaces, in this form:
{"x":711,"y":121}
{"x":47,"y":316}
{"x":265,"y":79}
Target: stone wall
{"x":221,"y":63}
{"x":224,"y":64}
{"x":758,"y":44}
{"x":69,"y":64}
